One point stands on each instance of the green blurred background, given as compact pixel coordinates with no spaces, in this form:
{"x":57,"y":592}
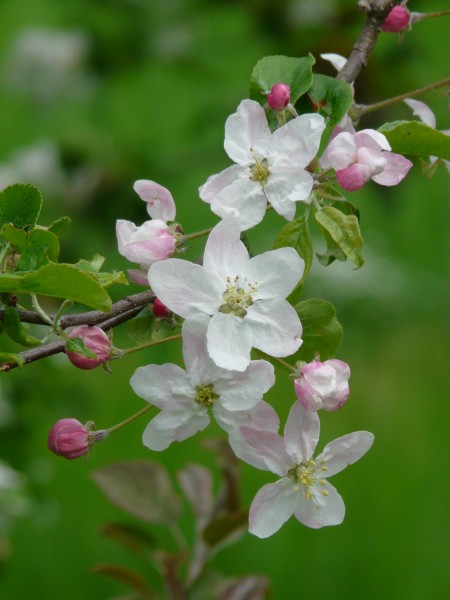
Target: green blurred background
{"x":96,"y":94}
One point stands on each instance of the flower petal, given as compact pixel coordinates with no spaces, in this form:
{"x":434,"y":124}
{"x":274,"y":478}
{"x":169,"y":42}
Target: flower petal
{"x":244,"y":199}
{"x":175,"y":423}
{"x":275,"y":327}
{"x":422,"y":110}
{"x":272,"y":506}
{"x":396,"y":169}
{"x":275,"y":273}
{"x":261,"y":416}
{"x":229,"y":341}
{"x":297,"y":142}
{"x":339,"y":153}
{"x":301,"y":433}
{"x":285,"y":188}
{"x":264,"y":450}
{"x":370,"y":138}
{"x":345,"y":451}
{"x":200,"y":368}
{"x":336,"y":60}
{"x":216,"y":183}
{"x":247,"y":133}
{"x":162,"y":384}
{"x":225,"y":254}
{"x":319,"y":510}
{"x":185,"y":288}
{"x":160,"y":203}
{"x":241,"y":390}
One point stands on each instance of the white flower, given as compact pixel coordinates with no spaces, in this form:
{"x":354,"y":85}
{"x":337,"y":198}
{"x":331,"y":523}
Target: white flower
{"x":302,"y":490}
{"x":185,"y":397}
{"x":244,"y":296}
{"x":270,"y":167}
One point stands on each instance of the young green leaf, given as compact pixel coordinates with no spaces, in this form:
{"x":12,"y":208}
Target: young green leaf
{"x":342,"y":235}
{"x":296,"y":235}
{"x":17,"y":330}
{"x":322,"y":332}
{"x":20,"y":205}
{"x":413,"y":137}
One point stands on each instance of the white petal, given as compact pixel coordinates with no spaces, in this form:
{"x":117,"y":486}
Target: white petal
{"x":340,"y":152}
{"x":297,"y":142}
{"x":301,"y":433}
{"x":275,"y":327}
{"x":225,"y":254}
{"x":272,"y":506}
{"x":370,"y":138}
{"x":261,"y":416}
{"x":174,"y":424}
{"x":421,"y":110}
{"x":244,"y":199}
{"x":264,"y":450}
{"x":162,"y":384}
{"x":320,"y":511}
{"x":242,"y":390}
{"x":284,"y":189}
{"x":246,"y":133}
{"x":345,"y":451}
{"x":275,"y":273}
{"x":229,"y":342}
{"x":160,"y":203}
{"x":336,"y":60}
{"x":185,"y":288}
{"x":216,"y":183}
{"x":199,"y":366}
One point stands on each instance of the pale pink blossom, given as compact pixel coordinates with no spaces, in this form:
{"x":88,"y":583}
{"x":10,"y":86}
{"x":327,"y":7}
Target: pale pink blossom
{"x":323,"y":385}
{"x":362,"y":156}
{"x":303,"y":490}
{"x":160,"y":203}
{"x":270,"y":167}
{"x":185,"y":398}
{"x":243,"y":296}
{"x":96,"y":340}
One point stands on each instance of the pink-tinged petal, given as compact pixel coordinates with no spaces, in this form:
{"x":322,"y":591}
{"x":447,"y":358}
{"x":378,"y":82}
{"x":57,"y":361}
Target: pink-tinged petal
{"x":370,"y":138}
{"x":307,"y":395}
{"x":139,"y":276}
{"x":275,"y":327}
{"x":162,"y":385}
{"x":247,"y":133}
{"x":345,"y":451}
{"x":301,"y":433}
{"x":336,"y":60}
{"x":225,"y":254}
{"x":371,"y":160}
{"x":319,"y":510}
{"x":216,"y":183}
{"x":244,"y":200}
{"x":150,"y":242}
{"x":297,"y":142}
{"x":261,"y":417}
{"x":340,"y":152}
{"x":397,"y":168}
{"x":272,"y":506}
{"x":229,"y":341}
{"x":321,"y":377}
{"x":422,"y":110}
{"x":160,"y":203}
{"x":342,"y":369}
{"x":242,"y":390}
{"x":352,"y":178}
{"x":175,"y":423}
{"x":284,"y":189}
{"x":265,"y":450}
{"x":185,"y":288}
{"x":275,"y":273}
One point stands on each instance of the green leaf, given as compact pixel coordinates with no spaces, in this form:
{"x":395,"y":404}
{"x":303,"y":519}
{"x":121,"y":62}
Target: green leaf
{"x":104,"y":279}
{"x":147,"y":328}
{"x":296,"y":235}
{"x":322,"y":332}
{"x":59,"y":226}
{"x":17,"y":330}
{"x":222,"y":527}
{"x":129,"y":577}
{"x":413,"y":137}
{"x":329,"y":97}
{"x":141,"y":488}
{"x":294,"y":72}
{"x":343,"y":235}
{"x":36,"y":248}
{"x":59,"y":281}
{"x":20,"y":205}
{"x":8,"y":358}
{"x":77,"y":345}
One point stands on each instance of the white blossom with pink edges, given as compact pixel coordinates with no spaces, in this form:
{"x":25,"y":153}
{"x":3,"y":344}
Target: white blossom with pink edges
{"x":323,"y":385}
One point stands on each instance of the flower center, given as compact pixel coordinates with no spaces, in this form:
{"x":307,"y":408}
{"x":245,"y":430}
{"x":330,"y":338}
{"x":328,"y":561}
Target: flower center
{"x":260,"y":171}
{"x":305,"y":477}
{"x":206,"y":395}
{"x":237,"y":297}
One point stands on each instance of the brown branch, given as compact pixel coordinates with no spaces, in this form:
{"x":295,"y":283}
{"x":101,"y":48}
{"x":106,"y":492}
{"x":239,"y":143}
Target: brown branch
{"x":377,"y":11}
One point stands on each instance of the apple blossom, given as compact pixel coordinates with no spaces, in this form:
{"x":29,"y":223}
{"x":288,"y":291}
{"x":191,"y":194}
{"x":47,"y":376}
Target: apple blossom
{"x":270,"y":167}
{"x":244,"y":296}
{"x":185,"y":397}
{"x":70,"y":439}
{"x":279,"y":96}
{"x":364,"y":155}
{"x":95,"y":339}
{"x":160,"y":203}
{"x":323,"y":385}
{"x":397,"y":20}
{"x":302,"y":490}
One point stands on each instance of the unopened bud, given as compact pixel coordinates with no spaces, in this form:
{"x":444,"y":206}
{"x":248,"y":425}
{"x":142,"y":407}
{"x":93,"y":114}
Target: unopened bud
{"x":397,"y":20}
{"x":96,"y":340}
{"x":323,"y":385}
{"x":160,"y":309}
{"x":279,"y":97}
{"x":71,"y":439}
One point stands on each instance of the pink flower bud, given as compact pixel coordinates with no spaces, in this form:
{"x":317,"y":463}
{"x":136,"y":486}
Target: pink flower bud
{"x":323,"y":385}
{"x":69,"y":438}
{"x":279,"y":97}
{"x":397,"y":20}
{"x":160,"y":309}
{"x":94,"y":339}
{"x":150,"y":242}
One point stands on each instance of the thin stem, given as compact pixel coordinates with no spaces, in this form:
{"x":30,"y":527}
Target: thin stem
{"x":416,"y":17}
{"x":285,"y":364}
{"x":40,"y":311}
{"x":362,"y":109}
{"x":4,"y":255}
{"x":170,"y":338}
{"x":129,"y":420}
{"x":197,"y":234}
